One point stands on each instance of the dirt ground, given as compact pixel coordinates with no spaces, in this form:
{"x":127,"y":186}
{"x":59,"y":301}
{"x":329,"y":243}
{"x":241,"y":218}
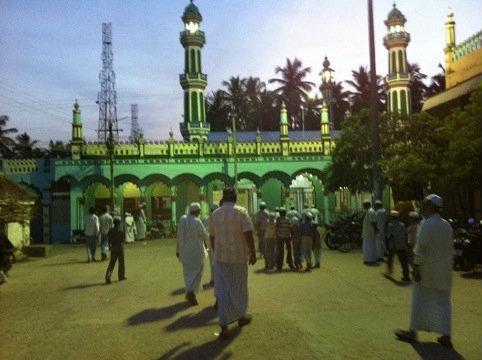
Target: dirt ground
{"x":60,"y":308}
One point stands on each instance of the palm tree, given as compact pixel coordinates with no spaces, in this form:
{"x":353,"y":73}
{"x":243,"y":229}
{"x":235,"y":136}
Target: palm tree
{"x":6,"y":142}
{"x":293,"y":88}
{"x":437,"y":83}
{"x":217,"y":111}
{"x":341,"y":105}
{"x":58,"y":149}
{"x":235,"y":97}
{"x":418,"y":87}
{"x":360,"y":98}
{"x":25,"y":147}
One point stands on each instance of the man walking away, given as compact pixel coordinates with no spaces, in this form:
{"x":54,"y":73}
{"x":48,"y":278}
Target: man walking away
{"x":283,"y":238}
{"x":381,"y":225}
{"x":432,"y":271}
{"x":270,"y":243}
{"x":307,"y":239}
{"x":191,"y":251}
{"x":369,"y":231}
{"x":260,"y":222}
{"x":296,"y":240}
{"x":316,"y":246}
{"x":397,"y":244}
{"x":116,"y":238}
{"x":91,"y":231}
{"x":106,"y":223}
{"x":231,"y":233}
{"x":413,"y":229}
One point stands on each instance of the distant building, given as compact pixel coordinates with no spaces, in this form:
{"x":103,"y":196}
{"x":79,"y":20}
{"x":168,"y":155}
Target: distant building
{"x":463,"y":71}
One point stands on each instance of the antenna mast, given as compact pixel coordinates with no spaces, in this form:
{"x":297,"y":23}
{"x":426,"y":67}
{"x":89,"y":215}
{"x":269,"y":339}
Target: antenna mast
{"x":135,"y":131}
{"x":107,"y":97}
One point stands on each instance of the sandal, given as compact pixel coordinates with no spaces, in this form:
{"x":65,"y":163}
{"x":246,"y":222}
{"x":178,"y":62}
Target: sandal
{"x":407,"y":336}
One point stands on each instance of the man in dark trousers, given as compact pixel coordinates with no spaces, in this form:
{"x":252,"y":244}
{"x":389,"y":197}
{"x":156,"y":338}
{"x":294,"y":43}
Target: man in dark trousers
{"x":397,"y":245}
{"x":283,"y":237}
{"x":116,"y":238}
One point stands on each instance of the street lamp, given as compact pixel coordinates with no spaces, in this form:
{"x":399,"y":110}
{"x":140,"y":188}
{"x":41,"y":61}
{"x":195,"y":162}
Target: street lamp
{"x":326,"y":88}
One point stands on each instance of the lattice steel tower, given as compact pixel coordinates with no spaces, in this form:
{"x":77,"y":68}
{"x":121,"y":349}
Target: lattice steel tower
{"x":107,"y":97}
{"x":135,"y":131}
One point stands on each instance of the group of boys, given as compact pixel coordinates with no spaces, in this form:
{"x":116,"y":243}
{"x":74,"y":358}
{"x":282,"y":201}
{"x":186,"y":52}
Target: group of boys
{"x":288,"y":229}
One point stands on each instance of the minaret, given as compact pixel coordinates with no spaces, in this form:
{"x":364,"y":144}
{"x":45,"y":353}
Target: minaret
{"x":283,"y":130}
{"x":398,"y":78}
{"x":283,"y":121}
{"x":325,"y":128}
{"x":76,"y":143}
{"x":449,"y":41}
{"x":195,"y":126}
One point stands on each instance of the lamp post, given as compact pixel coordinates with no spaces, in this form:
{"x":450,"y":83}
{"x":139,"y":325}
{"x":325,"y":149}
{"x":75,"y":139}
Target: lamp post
{"x":375,"y":131}
{"x":110,"y":146}
{"x":326,"y":88}
{"x":302,"y":120}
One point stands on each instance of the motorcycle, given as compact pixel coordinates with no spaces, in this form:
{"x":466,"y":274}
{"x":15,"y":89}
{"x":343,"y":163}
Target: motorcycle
{"x":468,"y":249}
{"x":344,"y":234}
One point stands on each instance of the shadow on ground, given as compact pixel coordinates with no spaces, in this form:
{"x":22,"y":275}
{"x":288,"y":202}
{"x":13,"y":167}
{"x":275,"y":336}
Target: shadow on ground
{"x":72,"y":262}
{"x":178,"y":292}
{"x":472,"y":275}
{"x":210,"y":350}
{"x":189,"y":321}
{"x":83,"y":286}
{"x":434,"y":351}
{"x":397,"y":282}
{"x":152,"y":315}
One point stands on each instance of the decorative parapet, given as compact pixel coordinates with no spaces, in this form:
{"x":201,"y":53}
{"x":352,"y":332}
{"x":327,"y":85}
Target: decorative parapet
{"x":468,"y":46}
{"x":17,"y":166}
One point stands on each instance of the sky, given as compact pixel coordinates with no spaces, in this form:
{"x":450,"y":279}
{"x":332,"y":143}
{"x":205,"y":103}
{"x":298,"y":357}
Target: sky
{"x":51,"y":51}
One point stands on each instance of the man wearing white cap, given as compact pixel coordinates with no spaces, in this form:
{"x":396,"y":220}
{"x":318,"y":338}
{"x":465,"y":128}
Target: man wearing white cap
{"x":432,"y":271}
{"x":191,"y":251}
{"x":260,"y":224}
{"x":382,"y":220}
{"x":369,"y":231}
{"x":397,"y":244}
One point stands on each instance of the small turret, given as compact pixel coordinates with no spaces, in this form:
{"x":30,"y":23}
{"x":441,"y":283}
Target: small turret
{"x":449,"y":40}
{"x":325,"y":121}
{"x":76,"y":143}
{"x":283,"y":121}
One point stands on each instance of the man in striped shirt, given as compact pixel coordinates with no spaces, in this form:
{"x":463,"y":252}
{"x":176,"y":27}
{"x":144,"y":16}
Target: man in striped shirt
{"x":283,"y":237}
{"x":231,"y":234}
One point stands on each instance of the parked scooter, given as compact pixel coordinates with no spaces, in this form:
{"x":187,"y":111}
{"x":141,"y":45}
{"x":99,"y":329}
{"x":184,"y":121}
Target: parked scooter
{"x":468,"y":249}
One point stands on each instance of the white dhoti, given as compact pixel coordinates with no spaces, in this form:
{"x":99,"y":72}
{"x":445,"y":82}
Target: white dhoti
{"x":231,"y":288}
{"x":369,"y":250}
{"x":431,"y":310}
{"x":193,"y":273}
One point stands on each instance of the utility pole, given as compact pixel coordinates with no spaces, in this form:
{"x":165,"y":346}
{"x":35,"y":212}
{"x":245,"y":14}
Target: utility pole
{"x":375,"y":129}
{"x":110,"y":145}
{"x":235,"y":159}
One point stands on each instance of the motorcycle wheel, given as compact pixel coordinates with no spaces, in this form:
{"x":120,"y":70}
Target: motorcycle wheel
{"x":466,"y":264}
{"x":330,"y":239}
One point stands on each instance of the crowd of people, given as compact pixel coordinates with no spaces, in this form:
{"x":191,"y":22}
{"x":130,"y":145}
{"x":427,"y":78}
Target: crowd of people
{"x":298,"y":233}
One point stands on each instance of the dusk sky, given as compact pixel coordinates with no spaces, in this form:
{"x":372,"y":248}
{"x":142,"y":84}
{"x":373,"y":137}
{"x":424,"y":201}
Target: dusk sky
{"x":51,"y":51}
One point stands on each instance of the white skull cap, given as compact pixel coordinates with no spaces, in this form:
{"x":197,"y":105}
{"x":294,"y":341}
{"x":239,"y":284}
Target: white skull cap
{"x":194,"y":206}
{"x":435,"y":199}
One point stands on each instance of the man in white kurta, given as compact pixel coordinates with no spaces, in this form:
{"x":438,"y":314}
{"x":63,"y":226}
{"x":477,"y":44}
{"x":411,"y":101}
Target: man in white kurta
{"x":129,"y":228}
{"x":191,"y":251}
{"x":369,"y":231}
{"x":382,"y":219}
{"x":433,"y":263}
{"x":141,"y":223}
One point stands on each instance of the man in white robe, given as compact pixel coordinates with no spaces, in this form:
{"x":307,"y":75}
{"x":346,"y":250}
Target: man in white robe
{"x":141,"y":223}
{"x":432,"y":271}
{"x":129,"y":228}
{"x":369,"y":231}
{"x":382,"y":220}
{"x":191,"y":239}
